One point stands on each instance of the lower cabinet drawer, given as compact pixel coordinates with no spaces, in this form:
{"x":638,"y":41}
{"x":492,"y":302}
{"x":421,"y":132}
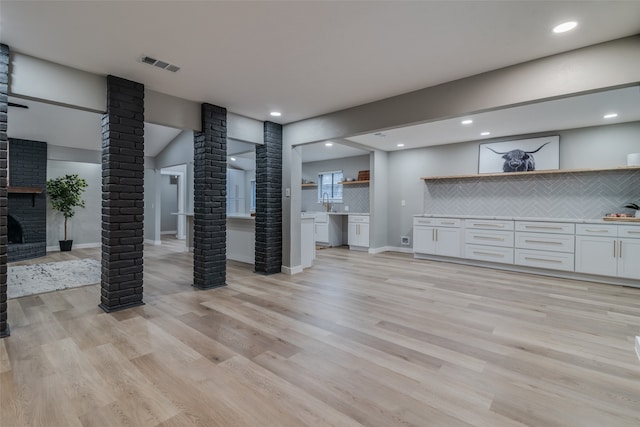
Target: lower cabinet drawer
{"x":489,"y":237}
{"x":489,"y":253}
{"x":552,"y":261}
{"x":545,"y":242}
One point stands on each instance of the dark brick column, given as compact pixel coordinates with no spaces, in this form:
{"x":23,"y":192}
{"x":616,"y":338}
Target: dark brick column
{"x":210,"y":200}
{"x":269,"y":201}
{"x":122,"y":195}
{"x":4,"y":202}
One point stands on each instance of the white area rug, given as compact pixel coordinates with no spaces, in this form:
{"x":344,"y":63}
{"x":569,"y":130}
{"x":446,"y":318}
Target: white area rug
{"x":25,"y":280}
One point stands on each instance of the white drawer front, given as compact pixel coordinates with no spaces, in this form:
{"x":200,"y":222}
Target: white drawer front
{"x":604,"y":230}
{"x":629,"y":231}
{"x":550,"y":260}
{"x":546,"y":242}
{"x":488,"y":237}
{"x":322,"y":217}
{"x":489,"y":224}
{"x":359,"y":218}
{"x":486,"y":253}
{"x":447,"y":222}
{"x":424,"y":221}
{"x":545,"y":227}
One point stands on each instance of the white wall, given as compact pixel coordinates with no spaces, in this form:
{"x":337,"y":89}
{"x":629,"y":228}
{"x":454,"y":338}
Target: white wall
{"x":594,"y":147}
{"x":169,"y":205}
{"x":84,"y":228}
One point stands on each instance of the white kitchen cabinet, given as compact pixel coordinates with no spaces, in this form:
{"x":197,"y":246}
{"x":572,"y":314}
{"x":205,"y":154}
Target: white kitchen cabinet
{"x":547,"y":245}
{"x":437,"y":236}
{"x":358,"y":233}
{"x":617,"y":255}
{"x":489,"y":240}
{"x":328,"y":229}
{"x":322,"y":232}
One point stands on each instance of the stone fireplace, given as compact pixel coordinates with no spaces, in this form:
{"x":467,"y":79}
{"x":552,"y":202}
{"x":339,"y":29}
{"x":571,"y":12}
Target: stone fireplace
{"x":27,"y":217}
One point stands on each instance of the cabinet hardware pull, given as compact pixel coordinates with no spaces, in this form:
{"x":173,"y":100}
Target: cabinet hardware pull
{"x":620,"y":251}
{"x":542,"y":259}
{"x":633,"y":232}
{"x":433,"y":234}
{"x":436,"y":234}
{"x":614,"y":248}
{"x":597,"y":230}
{"x":479,"y":224}
{"x":448,"y":222}
{"x":499,"y":239}
{"x":543,"y":241}
{"x":543,"y":227}
{"x":488,"y":254}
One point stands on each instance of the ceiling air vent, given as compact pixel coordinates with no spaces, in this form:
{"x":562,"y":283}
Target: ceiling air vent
{"x":158,"y":63}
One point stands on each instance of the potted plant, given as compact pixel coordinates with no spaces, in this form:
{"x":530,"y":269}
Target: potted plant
{"x":65,"y":195}
{"x":634,"y":206}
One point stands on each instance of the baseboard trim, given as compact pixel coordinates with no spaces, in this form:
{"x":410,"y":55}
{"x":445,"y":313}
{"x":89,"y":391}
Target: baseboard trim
{"x":638,"y":347}
{"x":75,"y":246}
{"x":240,"y":258}
{"x":390,"y":249}
{"x":291,"y":270}
{"x":153,"y":242}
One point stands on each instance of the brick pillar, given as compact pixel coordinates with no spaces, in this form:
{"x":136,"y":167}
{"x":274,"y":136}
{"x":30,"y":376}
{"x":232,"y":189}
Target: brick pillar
{"x":4,"y":206}
{"x":269,"y":201}
{"x":210,"y":200}
{"x":122,"y":195}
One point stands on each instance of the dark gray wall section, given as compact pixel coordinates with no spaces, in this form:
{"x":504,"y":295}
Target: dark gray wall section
{"x":4,"y":101}
{"x":268,"y":258}
{"x":210,"y":200}
{"x":122,"y":195}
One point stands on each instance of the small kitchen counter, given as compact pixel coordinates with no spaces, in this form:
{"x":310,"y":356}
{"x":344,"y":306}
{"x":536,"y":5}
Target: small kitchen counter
{"x":524,"y":218}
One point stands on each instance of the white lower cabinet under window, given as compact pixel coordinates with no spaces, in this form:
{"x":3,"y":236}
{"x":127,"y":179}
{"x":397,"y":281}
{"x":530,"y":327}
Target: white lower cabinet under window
{"x":437,"y":236}
{"x":358,"y":232}
{"x":608,"y":250}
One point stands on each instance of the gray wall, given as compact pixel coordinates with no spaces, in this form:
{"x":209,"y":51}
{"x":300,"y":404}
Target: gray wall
{"x":84,"y":227}
{"x":356,"y":196}
{"x":169,"y":197}
{"x":595,"y":147}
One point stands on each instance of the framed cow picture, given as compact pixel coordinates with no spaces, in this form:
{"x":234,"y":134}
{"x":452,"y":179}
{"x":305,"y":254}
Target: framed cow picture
{"x":521,"y":155}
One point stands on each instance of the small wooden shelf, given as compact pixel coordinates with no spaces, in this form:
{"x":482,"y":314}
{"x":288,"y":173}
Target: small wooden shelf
{"x":354,"y":182}
{"x":25,"y":190}
{"x":309,"y":185}
{"x":544,"y":172}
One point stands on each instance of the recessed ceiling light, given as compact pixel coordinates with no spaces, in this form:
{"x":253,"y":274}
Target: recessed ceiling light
{"x":565,"y":26}
{"x":467,"y":122}
{"x":610,"y":115}
{"x":233,"y":159}
{"x":400,"y":145}
{"x":328,"y":144}
{"x":485,"y":133}
{"x":276,"y":113}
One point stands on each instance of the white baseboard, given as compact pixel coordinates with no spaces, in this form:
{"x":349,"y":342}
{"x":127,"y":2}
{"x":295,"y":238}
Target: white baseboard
{"x":390,"y":249}
{"x":169,"y":232}
{"x":75,"y":246}
{"x":153,"y":242}
{"x":242,"y":258}
{"x":638,"y":347}
{"x":291,"y":270}
{"x":181,"y":237}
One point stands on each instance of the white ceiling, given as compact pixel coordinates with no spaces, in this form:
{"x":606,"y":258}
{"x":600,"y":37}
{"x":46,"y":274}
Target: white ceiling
{"x":567,"y":113}
{"x":319,"y":151}
{"x":304,"y":58}
{"x":68,"y":127}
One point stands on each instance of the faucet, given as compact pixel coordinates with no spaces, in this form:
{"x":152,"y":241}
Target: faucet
{"x":326,"y":204}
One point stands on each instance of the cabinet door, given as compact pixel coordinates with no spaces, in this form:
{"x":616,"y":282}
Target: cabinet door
{"x":448,"y":242}
{"x":596,"y":255}
{"x":629,"y":258}
{"x":322,"y":232}
{"x":424,"y":240}
{"x":364,"y":235}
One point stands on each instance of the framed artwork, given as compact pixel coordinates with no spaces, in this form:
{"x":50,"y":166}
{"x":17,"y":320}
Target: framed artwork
{"x":521,"y":155}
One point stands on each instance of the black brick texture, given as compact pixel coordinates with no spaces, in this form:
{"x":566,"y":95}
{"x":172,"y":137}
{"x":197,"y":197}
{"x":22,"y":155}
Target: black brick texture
{"x":122,"y":195}
{"x":4,"y":202}
{"x":269,"y":201}
{"x":210,"y":200}
{"x":28,"y":168}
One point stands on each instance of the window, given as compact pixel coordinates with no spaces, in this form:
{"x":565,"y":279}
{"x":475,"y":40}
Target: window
{"x":252,"y":208}
{"x":328,"y":185}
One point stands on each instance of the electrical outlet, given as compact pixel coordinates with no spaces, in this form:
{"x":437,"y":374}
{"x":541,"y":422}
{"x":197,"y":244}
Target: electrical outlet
{"x":404,"y":240}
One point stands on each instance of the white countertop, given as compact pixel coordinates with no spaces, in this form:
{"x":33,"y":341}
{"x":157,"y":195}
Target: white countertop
{"x":524,"y":218}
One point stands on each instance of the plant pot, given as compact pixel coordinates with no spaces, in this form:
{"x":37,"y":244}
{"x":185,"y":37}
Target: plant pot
{"x":65,"y":245}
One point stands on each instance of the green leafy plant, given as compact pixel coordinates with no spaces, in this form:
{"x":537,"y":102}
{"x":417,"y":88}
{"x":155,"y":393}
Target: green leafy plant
{"x":65,"y":194}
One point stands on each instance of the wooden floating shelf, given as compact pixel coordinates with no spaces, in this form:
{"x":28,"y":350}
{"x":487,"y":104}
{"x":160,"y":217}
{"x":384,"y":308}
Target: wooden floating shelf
{"x":309,"y":185}
{"x":544,"y":172}
{"x":25,"y":190}
{"x":354,"y":182}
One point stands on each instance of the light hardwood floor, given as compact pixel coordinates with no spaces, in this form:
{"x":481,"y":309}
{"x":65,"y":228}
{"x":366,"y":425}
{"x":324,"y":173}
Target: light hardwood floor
{"x":359,"y":339}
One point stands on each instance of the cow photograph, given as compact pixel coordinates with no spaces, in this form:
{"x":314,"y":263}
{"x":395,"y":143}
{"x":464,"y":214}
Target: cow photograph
{"x":523,"y":155}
